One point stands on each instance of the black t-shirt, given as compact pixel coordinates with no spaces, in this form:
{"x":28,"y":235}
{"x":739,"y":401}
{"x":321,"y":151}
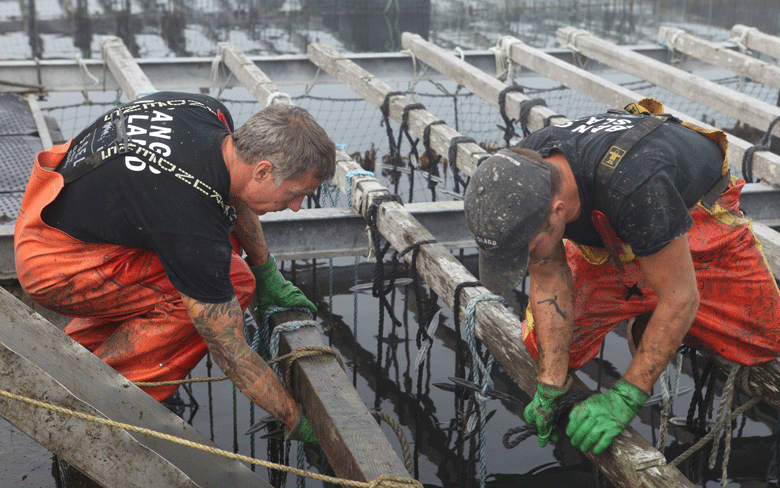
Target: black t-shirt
{"x":650,"y":194}
{"x":128,"y":201}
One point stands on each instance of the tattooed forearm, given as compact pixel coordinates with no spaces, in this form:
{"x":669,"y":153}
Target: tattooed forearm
{"x":221,"y":327}
{"x":554,"y":302}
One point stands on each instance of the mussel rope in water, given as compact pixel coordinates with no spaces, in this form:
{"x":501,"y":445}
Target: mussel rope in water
{"x":424,"y":314}
{"x":773,"y":470}
{"x":460,"y":372}
{"x":481,"y":377}
{"x":668,"y":398}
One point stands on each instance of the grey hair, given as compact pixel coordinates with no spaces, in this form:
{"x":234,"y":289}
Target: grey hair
{"x":288,"y":137}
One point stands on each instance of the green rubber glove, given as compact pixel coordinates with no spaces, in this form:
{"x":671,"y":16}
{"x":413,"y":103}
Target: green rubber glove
{"x":597,"y":420}
{"x":541,"y":411}
{"x":301,"y":431}
{"x":273,"y":289}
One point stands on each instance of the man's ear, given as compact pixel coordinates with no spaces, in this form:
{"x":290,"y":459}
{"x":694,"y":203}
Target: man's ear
{"x":263,"y":170}
{"x":558,"y":208}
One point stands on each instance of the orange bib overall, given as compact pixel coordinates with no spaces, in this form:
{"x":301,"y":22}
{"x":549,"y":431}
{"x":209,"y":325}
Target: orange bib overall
{"x":126,"y":310}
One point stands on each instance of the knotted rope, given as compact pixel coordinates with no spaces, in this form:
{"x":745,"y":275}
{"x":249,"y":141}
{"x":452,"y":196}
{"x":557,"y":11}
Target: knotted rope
{"x":481,"y":372}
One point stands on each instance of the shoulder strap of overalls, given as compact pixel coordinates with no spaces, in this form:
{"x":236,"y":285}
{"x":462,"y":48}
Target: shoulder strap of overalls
{"x":609,"y":163}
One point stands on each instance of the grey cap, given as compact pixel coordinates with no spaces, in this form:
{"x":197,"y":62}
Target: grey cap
{"x":505,"y":203}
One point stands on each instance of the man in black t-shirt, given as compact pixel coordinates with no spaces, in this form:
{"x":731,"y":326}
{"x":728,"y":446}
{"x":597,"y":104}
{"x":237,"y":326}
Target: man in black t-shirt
{"x":137,"y":227}
{"x":651,"y":226}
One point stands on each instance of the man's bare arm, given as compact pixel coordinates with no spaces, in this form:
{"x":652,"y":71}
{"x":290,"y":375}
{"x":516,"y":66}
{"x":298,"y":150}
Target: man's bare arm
{"x":249,"y":233}
{"x":671,"y":275}
{"x":221,"y":326}
{"x":551,"y":299}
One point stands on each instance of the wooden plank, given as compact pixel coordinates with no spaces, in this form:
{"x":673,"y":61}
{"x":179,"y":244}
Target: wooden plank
{"x":124,"y":68}
{"x":259,"y":85}
{"x":754,"y":39}
{"x":40,"y":122}
{"x":729,"y":102}
{"x":718,"y":55}
{"x":374,"y":90}
{"x":39,"y":361}
{"x":612,"y":95}
{"x":356,"y":447}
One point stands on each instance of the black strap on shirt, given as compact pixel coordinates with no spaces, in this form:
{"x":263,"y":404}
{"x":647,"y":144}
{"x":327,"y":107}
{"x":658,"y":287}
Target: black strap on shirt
{"x":619,"y":149}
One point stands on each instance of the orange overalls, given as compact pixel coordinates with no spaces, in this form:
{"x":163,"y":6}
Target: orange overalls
{"x":126,"y":310}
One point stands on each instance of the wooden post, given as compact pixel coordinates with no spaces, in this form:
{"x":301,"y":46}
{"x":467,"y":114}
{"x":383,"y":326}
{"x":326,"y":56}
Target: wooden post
{"x":40,"y":362}
{"x":756,"y":40}
{"x":631,"y":460}
{"x":124,"y":68}
{"x":259,"y":85}
{"x":742,"y":64}
{"x":729,"y":102}
{"x":40,"y":123}
{"x":356,"y":447}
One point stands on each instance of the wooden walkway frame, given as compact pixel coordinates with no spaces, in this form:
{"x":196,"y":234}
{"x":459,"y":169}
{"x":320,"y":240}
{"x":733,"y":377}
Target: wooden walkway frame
{"x":356,"y":447}
{"x":763,"y":378}
{"x":754,"y":39}
{"x":729,"y":102}
{"x":719,"y":55}
{"x":631,"y":461}
{"x":38,"y":361}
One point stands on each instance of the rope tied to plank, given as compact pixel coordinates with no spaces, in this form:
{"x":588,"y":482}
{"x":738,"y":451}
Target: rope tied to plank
{"x":509,"y":123}
{"x":764,"y":145}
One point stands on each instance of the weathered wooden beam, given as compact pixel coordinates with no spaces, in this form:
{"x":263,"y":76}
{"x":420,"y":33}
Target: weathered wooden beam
{"x":374,"y":90}
{"x":38,"y":361}
{"x":259,"y":85}
{"x":754,"y":39}
{"x":716,"y":54}
{"x":356,"y":447}
{"x":612,"y":95}
{"x":729,"y":102}
{"x":40,"y":122}
{"x":124,"y":68}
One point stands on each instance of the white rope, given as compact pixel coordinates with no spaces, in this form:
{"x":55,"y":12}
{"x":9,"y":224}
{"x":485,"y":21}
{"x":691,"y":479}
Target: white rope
{"x":415,"y":77}
{"x":273,"y":96}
